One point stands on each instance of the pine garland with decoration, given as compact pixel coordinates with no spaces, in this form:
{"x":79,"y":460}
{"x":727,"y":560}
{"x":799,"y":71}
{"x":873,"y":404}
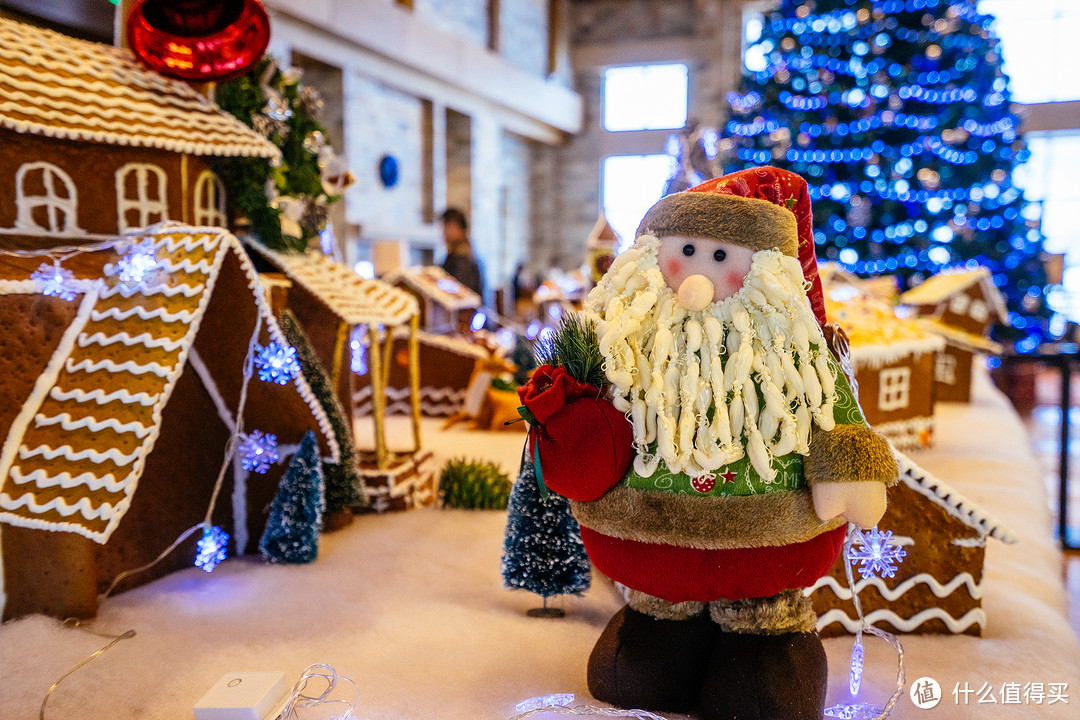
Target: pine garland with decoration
{"x":343,"y":487}
{"x":542,"y":549}
{"x":576,"y":347}
{"x":285,"y":205}
{"x":295,"y":523}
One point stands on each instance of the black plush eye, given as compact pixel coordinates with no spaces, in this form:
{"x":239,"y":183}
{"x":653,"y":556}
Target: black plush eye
{"x":688,"y":249}
{"x":719,"y":255}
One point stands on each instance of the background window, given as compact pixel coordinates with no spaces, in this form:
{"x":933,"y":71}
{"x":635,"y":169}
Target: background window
{"x":645,"y":97}
{"x":631,"y":184}
{"x":1038,"y":40}
{"x":894,"y":388}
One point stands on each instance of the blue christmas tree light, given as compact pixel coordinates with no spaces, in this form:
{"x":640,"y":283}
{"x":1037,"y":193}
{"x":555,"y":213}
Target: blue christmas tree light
{"x":858,"y":656}
{"x":139,"y":263}
{"x":276,"y":363}
{"x":258,"y":452}
{"x":212,"y":548}
{"x":55,"y":281}
{"x":875,"y":553}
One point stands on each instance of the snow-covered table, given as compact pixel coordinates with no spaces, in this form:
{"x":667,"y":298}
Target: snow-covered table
{"x":411,"y":607}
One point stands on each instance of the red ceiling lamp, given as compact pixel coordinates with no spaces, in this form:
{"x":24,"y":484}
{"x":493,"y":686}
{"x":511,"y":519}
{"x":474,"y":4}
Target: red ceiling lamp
{"x":198,"y":40}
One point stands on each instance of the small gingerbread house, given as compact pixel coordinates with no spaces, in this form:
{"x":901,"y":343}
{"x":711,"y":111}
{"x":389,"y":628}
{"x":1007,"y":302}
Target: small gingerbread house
{"x":962,"y":305}
{"x":894,"y":362}
{"x":938,"y":587}
{"x":362,"y":329}
{"x":445,"y":304}
{"x":95,"y":144}
{"x":118,"y":407}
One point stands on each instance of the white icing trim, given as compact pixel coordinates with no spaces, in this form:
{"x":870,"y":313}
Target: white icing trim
{"x":69,"y":453}
{"x":142,"y":339}
{"x":975,"y":589}
{"x":114,"y":313}
{"x":951,"y":501}
{"x":66,"y":480}
{"x":207,"y":380}
{"x":105,"y":511}
{"x":979,"y":541}
{"x":125,"y":291}
{"x":975,"y":616}
{"x":209,"y":196}
{"x":878,"y":356}
{"x":128,"y":366}
{"x":100,"y":397}
{"x":145,"y":205}
{"x":26,"y":204}
{"x":65,"y":421}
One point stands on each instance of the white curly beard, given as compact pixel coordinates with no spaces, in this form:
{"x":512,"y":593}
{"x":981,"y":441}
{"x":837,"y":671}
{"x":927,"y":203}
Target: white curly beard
{"x":669,"y":367}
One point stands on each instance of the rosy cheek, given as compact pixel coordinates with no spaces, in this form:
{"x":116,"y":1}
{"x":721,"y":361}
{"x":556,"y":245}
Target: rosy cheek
{"x":734,"y":280}
{"x":673,"y":268}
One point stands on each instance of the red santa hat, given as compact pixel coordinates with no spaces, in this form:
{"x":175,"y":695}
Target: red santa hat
{"x":759,"y":208}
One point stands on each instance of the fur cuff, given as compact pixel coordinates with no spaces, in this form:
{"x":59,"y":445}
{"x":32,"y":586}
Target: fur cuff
{"x":786,"y":612}
{"x":662,"y":609}
{"x":850,"y":453}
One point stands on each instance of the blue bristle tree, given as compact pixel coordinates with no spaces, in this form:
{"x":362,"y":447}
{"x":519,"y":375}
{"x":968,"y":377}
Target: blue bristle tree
{"x":542,"y":550}
{"x":292,"y":532}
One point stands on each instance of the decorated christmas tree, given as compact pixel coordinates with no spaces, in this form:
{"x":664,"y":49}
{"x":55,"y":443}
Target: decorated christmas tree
{"x":542,"y":551}
{"x":286,"y":205}
{"x":292,"y":532}
{"x":897,"y":112}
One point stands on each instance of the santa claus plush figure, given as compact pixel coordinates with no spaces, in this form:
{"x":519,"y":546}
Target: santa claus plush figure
{"x":715,"y":474}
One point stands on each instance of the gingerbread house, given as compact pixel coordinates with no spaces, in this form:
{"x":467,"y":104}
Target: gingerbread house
{"x":445,"y":304}
{"x":95,"y":144}
{"x":894,"y":361}
{"x":961,"y":305}
{"x":118,"y":407}
{"x":362,"y":330}
{"x":938,"y":587}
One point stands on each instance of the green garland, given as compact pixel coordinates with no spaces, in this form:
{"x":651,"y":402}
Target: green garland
{"x":286,"y":116}
{"x":343,"y":488}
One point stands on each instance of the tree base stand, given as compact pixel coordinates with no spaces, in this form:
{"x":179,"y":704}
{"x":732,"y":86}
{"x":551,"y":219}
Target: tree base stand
{"x":546,"y":612}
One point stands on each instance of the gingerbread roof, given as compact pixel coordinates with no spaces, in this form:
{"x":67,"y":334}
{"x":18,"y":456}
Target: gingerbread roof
{"x":55,"y":85}
{"x":938,"y":287}
{"x":74,"y":454}
{"x":356,"y":300}
{"x":435,"y":283}
{"x":602,"y":232}
{"x":964,"y":340}
{"x":955,"y":504}
{"x":877,"y":336}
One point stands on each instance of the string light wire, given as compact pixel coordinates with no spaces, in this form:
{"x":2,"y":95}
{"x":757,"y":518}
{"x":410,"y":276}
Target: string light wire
{"x":87,"y":659}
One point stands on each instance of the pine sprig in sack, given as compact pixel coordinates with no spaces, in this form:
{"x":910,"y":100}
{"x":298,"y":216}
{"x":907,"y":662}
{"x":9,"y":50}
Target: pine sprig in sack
{"x":576,"y":347}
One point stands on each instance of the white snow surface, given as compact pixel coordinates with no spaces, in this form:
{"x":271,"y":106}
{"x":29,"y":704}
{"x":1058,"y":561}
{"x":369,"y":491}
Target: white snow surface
{"x":411,"y":607}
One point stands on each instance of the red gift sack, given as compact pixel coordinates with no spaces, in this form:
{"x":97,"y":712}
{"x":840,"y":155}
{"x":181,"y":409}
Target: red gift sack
{"x":584,"y":445}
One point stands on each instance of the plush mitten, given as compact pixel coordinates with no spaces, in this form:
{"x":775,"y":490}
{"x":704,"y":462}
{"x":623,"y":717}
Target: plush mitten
{"x":584,"y":445}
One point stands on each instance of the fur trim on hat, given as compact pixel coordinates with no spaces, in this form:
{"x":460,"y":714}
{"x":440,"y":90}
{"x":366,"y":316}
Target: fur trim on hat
{"x":749,"y":222}
{"x":850,"y":453}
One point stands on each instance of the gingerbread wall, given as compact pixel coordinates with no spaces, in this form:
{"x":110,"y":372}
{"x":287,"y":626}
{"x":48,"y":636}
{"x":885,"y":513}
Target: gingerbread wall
{"x":91,"y":168}
{"x":920,"y":391}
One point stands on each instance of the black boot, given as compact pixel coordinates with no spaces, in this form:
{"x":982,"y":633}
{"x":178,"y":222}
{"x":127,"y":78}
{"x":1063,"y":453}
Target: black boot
{"x":765,"y":677}
{"x":642,"y":662}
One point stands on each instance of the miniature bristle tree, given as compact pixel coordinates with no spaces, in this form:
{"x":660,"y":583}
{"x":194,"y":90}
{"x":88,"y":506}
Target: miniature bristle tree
{"x":542,"y":551}
{"x":473,"y":485}
{"x":292,"y":532}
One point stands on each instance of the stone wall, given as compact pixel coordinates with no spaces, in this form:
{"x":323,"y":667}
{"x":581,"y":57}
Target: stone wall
{"x":523,"y":34}
{"x":466,"y":19}
{"x":616,"y":21}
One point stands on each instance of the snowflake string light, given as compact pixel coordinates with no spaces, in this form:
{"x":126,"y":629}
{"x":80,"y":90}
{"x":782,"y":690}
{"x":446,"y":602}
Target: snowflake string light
{"x":55,"y":281}
{"x":139,"y":263}
{"x":212,"y":548}
{"x":875,"y":553}
{"x":258,"y":452}
{"x":858,"y":656}
{"x":276,"y":363}
{"x":545,"y":701}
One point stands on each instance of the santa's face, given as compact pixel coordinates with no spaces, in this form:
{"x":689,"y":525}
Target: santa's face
{"x":703,"y":271}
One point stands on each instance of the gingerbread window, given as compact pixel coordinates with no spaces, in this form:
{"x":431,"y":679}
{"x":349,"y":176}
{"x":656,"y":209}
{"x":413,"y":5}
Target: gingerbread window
{"x":945,"y":369}
{"x":45,"y":199}
{"x":210,"y":200}
{"x":894,"y":388}
{"x":979,"y":312}
{"x":140,"y":196}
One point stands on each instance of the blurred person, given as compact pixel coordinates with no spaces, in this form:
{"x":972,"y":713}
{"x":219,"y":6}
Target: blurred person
{"x":460,"y":260}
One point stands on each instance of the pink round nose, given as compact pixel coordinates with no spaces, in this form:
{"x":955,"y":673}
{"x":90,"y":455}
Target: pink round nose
{"x":696,"y":292}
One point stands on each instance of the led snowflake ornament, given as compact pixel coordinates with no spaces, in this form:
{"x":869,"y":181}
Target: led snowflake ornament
{"x":212,"y":548}
{"x":875,"y":553}
{"x":139,"y":263}
{"x":258,"y":452}
{"x":55,"y":281}
{"x":276,"y":363}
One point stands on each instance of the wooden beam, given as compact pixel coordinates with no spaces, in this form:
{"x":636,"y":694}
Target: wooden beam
{"x":641,"y":52}
{"x":419,"y":52}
